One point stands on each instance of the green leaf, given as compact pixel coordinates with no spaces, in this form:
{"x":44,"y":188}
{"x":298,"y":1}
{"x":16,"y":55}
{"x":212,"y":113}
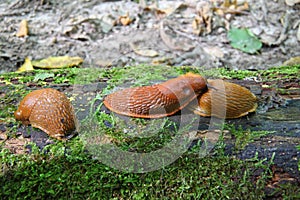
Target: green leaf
{"x":244,"y":40}
{"x":43,"y":76}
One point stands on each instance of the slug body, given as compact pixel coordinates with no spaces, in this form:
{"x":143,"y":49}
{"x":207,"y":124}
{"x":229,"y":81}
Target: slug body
{"x":226,"y":100}
{"x":48,"y":110}
{"x":159,"y":100}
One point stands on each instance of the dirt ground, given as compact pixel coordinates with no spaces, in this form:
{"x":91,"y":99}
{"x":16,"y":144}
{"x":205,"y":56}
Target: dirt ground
{"x":110,"y":33}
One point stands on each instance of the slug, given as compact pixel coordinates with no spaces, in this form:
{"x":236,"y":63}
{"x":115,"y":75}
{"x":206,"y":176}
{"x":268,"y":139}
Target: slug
{"x":229,"y":100}
{"x":158,"y":100}
{"x":48,"y":110}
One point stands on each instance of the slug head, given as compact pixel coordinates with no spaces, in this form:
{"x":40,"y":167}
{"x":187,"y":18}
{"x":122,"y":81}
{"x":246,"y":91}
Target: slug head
{"x":197,"y":82}
{"x":186,"y":86}
{"x":26,"y":105}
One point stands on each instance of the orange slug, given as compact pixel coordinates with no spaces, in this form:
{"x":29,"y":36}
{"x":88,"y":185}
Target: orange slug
{"x":229,"y":100}
{"x":48,"y":110}
{"x":159,"y":100}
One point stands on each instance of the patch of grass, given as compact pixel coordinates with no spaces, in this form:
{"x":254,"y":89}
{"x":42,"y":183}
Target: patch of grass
{"x":133,"y":134}
{"x":282,"y":72}
{"x":57,"y":76}
{"x":288,"y":191}
{"x":298,"y":147}
{"x":274,"y":73}
{"x":140,"y":75}
{"x":86,"y":75}
{"x":11,"y":95}
{"x":244,"y":137}
{"x":65,"y":170}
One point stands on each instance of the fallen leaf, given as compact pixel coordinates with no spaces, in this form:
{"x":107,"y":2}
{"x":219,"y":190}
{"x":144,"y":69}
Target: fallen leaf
{"x":57,"y":62}
{"x":125,"y":20}
{"x":214,"y":51}
{"x":231,"y":7}
{"x":6,"y":82}
{"x":162,"y":60}
{"x":291,"y":2}
{"x":23,"y":29}
{"x":196,"y":25}
{"x":42,"y":76}
{"x":16,"y":145}
{"x":203,"y":21}
{"x":104,"y":63}
{"x":244,"y":40}
{"x":143,"y":51}
{"x":146,"y":52}
{"x":243,"y":7}
{"x":292,"y":61}
{"x":27,"y":66}
{"x":166,"y":10}
{"x":3,"y":137}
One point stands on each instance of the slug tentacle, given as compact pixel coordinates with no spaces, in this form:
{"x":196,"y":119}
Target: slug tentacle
{"x":158,"y":100}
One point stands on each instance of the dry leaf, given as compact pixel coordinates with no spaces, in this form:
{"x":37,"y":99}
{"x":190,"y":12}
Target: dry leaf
{"x":125,"y":20}
{"x":3,"y":137}
{"x":27,"y":66}
{"x":231,"y":7}
{"x":146,"y":52}
{"x":292,"y":61}
{"x":143,"y":51}
{"x":292,"y":2}
{"x":166,"y":11}
{"x":214,"y":51}
{"x":197,"y":25}
{"x":23,"y":29}
{"x":243,"y":7}
{"x":162,"y":60}
{"x":17,"y":145}
{"x":205,"y":15}
{"x":57,"y":62}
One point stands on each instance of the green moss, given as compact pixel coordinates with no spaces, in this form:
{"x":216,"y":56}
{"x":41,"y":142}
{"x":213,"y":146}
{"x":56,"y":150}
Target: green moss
{"x":281,"y":73}
{"x":140,"y":75}
{"x":66,"y":171}
{"x":9,"y":100}
{"x":132,"y":134}
{"x":298,"y":147}
{"x":274,"y":73}
{"x":57,"y":76}
{"x":244,"y":137}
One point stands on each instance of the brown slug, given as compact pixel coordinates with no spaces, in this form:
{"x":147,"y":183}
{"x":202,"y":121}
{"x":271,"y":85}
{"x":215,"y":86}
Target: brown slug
{"x":48,"y":110}
{"x":229,"y":100}
{"x":159,"y":100}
